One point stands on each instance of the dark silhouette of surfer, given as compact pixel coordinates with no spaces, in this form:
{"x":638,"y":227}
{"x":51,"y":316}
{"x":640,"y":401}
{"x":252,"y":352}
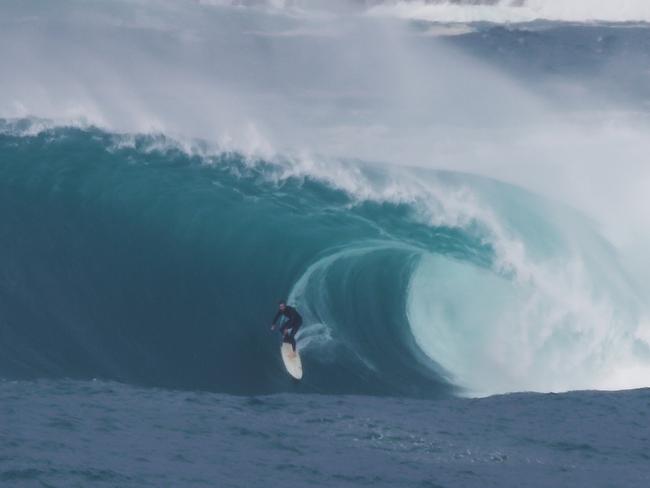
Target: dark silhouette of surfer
{"x":290,"y":326}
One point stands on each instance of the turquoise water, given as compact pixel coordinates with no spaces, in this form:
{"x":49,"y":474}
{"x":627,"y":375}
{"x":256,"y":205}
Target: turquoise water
{"x":165,"y":269}
{"x":142,"y":263}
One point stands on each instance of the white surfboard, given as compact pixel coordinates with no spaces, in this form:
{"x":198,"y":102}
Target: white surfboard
{"x":291,"y":360}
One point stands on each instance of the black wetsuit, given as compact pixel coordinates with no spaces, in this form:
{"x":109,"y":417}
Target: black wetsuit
{"x":293,"y":322}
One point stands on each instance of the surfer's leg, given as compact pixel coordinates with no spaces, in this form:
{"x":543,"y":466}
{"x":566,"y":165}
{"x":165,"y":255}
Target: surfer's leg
{"x":292,"y":335}
{"x":287,"y":336}
{"x":291,"y":339}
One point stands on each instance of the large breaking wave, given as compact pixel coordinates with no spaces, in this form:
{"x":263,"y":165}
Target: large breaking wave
{"x":169,"y":170}
{"x":126,"y":257}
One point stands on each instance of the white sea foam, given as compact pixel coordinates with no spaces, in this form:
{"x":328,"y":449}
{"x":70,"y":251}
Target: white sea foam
{"x":514,"y":11}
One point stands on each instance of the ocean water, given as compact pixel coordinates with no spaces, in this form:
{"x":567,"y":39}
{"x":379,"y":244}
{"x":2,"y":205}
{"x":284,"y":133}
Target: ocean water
{"x":453,"y":195}
{"x":99,"y":433}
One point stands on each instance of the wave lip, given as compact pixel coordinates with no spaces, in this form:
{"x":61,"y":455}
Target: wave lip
{"x":553,"y":311}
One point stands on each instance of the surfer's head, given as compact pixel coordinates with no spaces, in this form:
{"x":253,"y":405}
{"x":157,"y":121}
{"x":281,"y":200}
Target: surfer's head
{"x":282,"y":304}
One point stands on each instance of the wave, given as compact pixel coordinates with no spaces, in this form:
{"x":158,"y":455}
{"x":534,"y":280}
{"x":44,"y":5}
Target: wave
{"x":127,"y":257}
{"x":515,"y":11}
{"x":461,"y":11}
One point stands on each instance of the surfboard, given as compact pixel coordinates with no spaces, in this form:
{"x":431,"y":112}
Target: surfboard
{"x":291,"y":360}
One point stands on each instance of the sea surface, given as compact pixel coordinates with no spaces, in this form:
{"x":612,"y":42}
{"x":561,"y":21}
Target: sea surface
{"x":98,"y":433}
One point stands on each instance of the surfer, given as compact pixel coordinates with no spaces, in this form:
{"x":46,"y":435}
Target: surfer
{"x":290,"y":326}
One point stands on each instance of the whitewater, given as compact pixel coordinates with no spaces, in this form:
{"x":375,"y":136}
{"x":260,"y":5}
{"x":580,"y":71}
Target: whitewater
{"x":453,"y":194}
{"x":516,"y":11}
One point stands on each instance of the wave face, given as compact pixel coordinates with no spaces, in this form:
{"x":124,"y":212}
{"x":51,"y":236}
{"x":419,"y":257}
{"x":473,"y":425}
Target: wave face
{"x":125,"y":257}
{"x":153,"y":267}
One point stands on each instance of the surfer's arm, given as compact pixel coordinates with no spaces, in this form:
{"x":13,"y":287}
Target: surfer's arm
{"x":275,"y":319}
